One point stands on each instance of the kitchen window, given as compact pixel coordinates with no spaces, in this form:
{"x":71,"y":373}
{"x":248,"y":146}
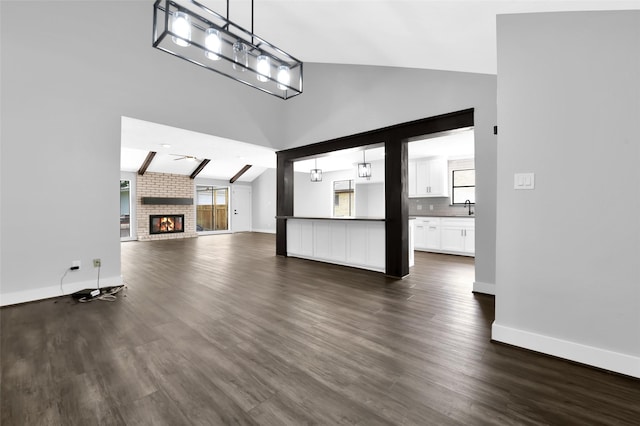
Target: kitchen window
{"x":344,"y":197}
{"x":463,"y":186}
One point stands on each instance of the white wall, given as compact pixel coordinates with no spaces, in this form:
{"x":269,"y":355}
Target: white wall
{"x":315,"y":199}
{"x":263,"y":202}
{"x":567,"y":271}
{"x":370,"y":199}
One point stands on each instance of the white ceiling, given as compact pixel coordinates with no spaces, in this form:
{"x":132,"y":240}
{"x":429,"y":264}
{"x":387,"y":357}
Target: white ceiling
{"x":227,"y":156}
{"x":454,"y":35}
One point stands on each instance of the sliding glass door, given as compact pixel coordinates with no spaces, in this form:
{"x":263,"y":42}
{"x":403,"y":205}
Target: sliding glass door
{"x":212,"y":208}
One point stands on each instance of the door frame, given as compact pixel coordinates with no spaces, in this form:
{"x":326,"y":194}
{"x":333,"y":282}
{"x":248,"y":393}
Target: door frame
{"x":133,"y":211}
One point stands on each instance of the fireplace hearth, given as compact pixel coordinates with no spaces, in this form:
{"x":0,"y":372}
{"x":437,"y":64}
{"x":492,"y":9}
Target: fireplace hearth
{"x":166,"y":223}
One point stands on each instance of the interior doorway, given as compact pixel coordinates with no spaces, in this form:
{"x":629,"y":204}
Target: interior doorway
{"x":441,"y":191}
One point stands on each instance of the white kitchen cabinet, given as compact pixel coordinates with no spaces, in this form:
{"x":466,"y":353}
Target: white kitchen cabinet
{"x":432,"y":230}
{"x":427,"y":233}
{"x":419,"y":236}
{"x":428,"y":177}
{"x":458,"y":235}
{"x":445,"y":235}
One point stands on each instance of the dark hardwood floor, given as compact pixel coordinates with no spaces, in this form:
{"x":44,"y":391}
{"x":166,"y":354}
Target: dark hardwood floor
{"x":217,"y":330}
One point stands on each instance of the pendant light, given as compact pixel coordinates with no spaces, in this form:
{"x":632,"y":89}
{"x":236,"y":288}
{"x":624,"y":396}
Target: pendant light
{"x":316,"y":174}
{"x":193,"y":32}
{"x":364,"y":168}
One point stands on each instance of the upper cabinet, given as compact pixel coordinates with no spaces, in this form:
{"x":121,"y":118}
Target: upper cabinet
{"x":428,"y":177}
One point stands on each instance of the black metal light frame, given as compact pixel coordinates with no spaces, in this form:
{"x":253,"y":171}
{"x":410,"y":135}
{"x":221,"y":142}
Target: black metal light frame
{"x":193,"y":49}
{"x":316,"y":174}
{"x":364,"y":168}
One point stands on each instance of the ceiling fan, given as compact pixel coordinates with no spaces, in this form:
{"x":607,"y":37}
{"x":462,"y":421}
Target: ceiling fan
{"x":185,"y":157}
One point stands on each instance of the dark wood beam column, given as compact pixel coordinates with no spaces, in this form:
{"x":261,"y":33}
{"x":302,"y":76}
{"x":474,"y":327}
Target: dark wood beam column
{"x":396,"y":188}
{"x":284,"y":201}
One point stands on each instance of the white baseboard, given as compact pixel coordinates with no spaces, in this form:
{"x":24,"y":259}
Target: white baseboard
{"x":265,"y":231}
{"x":484,"y":288}
{"x":32,"y":295}
{"x":589,"y":355}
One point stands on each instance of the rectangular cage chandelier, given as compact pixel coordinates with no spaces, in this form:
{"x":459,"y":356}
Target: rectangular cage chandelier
{"x":195,"y":33}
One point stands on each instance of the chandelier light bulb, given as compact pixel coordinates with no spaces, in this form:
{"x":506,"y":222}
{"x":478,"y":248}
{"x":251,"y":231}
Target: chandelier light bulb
{"x":264,"y":68}
{"x":212,"y":43}
{"x":181,"y":27}
{"x":240,"y":56}
{"x":283,"y":77}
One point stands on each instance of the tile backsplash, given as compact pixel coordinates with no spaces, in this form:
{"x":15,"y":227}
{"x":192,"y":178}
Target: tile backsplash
{"x":440,"y":205}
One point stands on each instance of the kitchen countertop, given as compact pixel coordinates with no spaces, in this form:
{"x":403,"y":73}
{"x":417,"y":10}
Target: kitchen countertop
{"x":446,"y":215}
{"x":375,"y":219}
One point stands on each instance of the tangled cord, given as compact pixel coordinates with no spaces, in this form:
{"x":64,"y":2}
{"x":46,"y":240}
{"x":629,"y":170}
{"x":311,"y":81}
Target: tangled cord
{"x":107,"y":296}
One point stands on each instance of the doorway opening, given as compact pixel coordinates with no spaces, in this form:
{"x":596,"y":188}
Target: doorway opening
{"x":125,"y":209}
{"x":441,"y":176}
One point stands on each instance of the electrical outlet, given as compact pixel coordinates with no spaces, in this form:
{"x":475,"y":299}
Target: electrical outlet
{"x":97,"y":263}
{"x":75,"y":264}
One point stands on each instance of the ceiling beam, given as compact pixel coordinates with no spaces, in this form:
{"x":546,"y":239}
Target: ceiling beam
{"x":240,"y":173}
{"x":198,"y":169}
{"x":147,"y":162}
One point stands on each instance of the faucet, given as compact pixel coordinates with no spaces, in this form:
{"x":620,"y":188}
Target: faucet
{"x":465,"y":204}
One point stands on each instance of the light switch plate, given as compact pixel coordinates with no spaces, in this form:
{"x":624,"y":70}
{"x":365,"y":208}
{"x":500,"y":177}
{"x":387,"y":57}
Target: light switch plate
{"x":524,"y":181}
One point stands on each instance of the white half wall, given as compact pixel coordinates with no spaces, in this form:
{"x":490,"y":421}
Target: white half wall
{"x":567,"y":267}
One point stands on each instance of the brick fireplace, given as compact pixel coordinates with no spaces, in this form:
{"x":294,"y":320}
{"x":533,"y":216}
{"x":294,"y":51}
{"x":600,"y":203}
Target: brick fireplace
{"x":165,"y":197}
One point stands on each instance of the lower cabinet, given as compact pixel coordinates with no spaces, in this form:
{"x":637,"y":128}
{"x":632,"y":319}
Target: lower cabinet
{"x":445,"y":235}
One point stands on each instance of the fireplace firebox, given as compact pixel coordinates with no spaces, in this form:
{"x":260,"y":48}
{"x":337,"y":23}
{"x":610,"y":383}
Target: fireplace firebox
{"x":166,"y":223}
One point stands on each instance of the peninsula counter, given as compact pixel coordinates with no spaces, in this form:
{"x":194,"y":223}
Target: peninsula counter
{"x":357,"y":242}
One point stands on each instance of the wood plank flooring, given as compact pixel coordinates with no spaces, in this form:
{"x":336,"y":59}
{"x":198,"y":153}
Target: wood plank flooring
{"x":217,"y":330}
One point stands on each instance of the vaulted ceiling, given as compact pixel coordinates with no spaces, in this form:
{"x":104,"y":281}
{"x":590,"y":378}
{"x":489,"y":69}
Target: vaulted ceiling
{"x":452,"y":35}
